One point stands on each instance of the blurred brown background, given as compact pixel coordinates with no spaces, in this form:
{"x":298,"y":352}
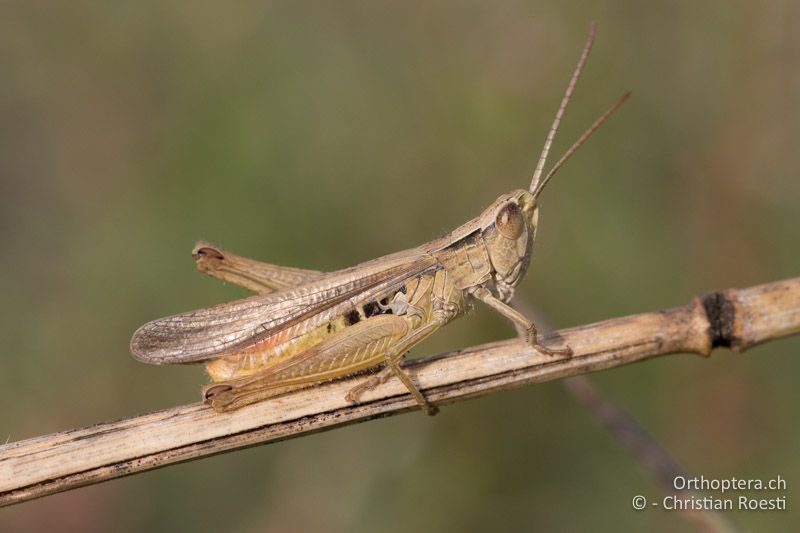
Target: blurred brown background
{"x":321,"y":134}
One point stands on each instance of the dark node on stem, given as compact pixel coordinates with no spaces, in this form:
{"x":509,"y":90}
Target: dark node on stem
{"x":721,"y":314}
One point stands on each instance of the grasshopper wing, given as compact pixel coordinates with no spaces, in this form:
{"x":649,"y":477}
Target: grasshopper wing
{"x":207,"y":333}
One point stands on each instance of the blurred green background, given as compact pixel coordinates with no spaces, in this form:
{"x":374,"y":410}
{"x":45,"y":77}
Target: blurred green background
{"x":322,"y":134}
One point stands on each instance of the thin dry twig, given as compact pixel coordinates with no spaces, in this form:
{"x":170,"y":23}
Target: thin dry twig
{"x":651,"y":455}
{"x":737,"y":318}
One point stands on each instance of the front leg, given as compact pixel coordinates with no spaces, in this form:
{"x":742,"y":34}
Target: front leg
{"x":483,"y":294}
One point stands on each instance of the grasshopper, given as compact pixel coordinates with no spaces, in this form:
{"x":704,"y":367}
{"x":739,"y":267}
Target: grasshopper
{"x":305,"y":327}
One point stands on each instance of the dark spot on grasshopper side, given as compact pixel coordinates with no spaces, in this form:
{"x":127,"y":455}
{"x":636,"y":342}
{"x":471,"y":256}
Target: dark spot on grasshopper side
{"x":352,"y":317}
{"x":371,"y":309}
{"x":330,"y":327}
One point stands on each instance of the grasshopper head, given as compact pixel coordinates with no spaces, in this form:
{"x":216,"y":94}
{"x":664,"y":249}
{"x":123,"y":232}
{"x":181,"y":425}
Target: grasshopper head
{"x":509,"y":231}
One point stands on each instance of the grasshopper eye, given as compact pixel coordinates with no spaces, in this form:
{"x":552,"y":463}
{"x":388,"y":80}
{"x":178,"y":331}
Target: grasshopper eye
{"x":509,"y":221}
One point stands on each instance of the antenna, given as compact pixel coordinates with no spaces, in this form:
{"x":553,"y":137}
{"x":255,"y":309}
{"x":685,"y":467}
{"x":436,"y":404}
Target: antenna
{"x":564,"y":101}
{"x":582,"y":139}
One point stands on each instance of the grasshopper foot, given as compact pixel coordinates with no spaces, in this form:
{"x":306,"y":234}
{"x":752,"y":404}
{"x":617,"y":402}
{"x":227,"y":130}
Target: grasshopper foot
{"x":354,"y":394}
{"x":377,"y":379}
{"x":382,"y":377}
{"x":533,"y":340}
{"x":430,"y":409}
{"x":566,"y":351}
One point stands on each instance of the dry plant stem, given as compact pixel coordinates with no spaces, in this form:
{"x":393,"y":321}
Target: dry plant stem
{"x":62,"y":461}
